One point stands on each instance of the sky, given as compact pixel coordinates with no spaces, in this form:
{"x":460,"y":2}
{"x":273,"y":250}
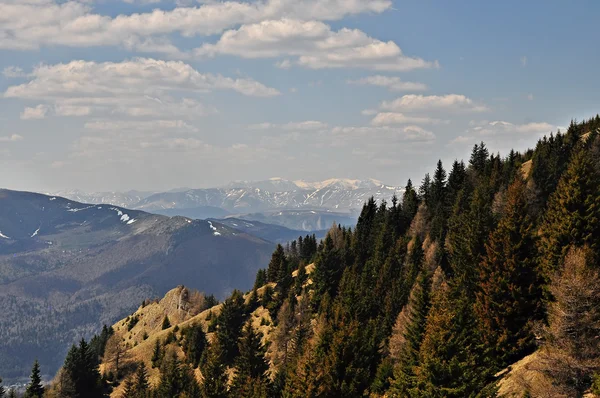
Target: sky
{"x":104,"y":95}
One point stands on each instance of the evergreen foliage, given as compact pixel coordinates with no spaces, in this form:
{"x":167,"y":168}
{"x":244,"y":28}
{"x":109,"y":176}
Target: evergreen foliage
{"x":35,"y":389}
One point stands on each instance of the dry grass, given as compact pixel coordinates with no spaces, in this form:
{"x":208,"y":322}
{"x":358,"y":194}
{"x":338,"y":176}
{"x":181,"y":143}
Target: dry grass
{"x":526,"y":169}
{"x":150,"y":318}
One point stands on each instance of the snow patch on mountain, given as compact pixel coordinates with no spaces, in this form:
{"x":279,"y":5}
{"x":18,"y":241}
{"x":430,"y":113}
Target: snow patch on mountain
{"x":3,"y":236}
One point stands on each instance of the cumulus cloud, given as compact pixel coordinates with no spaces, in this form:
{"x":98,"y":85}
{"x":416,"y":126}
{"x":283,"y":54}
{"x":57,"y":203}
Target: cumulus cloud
{"x":392,"y":83}
{"x":138,"y":88}
{"x":389,"y":118}
{"x":39,"y":112}
{"x":314,"y":45}
{"x":308,"y":125}
{"x":31,"y":24}
{"x":501,"y":127}
{"x":408,"y":133}
{"x":11,"y":138}
{"x":450,"y":102}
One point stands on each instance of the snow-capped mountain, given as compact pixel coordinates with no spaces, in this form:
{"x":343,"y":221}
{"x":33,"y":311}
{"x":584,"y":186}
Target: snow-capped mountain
{"x":319,"y":202}
{"x":342,"y":195}
{"x":124,"y":199}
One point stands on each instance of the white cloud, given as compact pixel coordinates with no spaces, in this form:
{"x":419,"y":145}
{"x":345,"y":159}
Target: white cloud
{"x":11,"y":138}
{"x":393,"y":83}
{"x":450,"y":102}
{"x":13,"y":71}
{"x":408,"y":133}
{"x":389,"y":118}
{"x":39,"y":112}
{"x":31,"y":24}
{"x":486,"y":128}
{"x":314,"y":45}
{"x":138,"y":76}
{"x":140,"y":125}
{"x":309,"y":125}
{"x":138,"y":88}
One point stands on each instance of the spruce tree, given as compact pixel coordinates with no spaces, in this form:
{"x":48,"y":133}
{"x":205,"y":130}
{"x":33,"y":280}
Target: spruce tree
{"x":141,"y":386}
{"x":157,"y":354}
{"x":410,"y":202}
{"x":508,"y":300}
{"x":277,"y":264}
{"x":407,"y":337}
{"x":194,"y":344}
{"x":214,"y":384}
{"x":229,"y":326}
{"x":573,"y":214}
{"x":448,"y":364}
{"x":81,"y":372}
{"x":251,"y":365}
{"x":166,"y":323}
{"x":35,"y":389}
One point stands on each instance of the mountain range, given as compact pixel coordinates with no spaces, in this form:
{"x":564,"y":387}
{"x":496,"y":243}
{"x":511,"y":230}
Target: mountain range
{"x":67,"y":268}
{"x":293,"y":204}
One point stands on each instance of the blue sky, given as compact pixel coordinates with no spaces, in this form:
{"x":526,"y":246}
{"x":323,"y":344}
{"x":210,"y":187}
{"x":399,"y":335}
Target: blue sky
{"x":140,"y":94}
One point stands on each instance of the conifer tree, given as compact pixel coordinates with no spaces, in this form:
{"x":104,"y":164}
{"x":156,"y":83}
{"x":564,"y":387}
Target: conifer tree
{"x":573,"y":214}
{"x":128,"y":389}
{"x":328,"y":270}
{"x":214,"y":384}
{"x":448,"y":365}
{"x":509,"y":297}
{"x":81,"y":373}
{"x":410,"y":202}
{"x":35,"y":389}
{"x":166,"y":323}
{"x":157,"y":354}
{"x":277,"y":265}
{"x":229,"y":326}
{"x":194,"y":344}
{"x":141,"y":386}
{"x":407,"y":337}
{"x":251,"y":365}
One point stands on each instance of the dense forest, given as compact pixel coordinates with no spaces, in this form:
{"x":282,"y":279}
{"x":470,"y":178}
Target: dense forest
{"x":433,"y":294}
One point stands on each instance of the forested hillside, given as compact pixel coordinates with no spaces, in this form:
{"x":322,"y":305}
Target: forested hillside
{"x":482,"y":265}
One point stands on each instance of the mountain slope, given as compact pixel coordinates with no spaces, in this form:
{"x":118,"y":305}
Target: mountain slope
{"x":66,"y":268}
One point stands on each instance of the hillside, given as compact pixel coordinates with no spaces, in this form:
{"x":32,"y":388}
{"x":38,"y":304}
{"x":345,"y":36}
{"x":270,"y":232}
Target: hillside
{"x":66,"y":268}
{"x":477,"y":283}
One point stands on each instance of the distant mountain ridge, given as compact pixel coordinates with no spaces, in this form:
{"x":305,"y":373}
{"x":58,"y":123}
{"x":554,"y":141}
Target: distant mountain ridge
{"x":239,"y":198}
{"x":67,"y":267}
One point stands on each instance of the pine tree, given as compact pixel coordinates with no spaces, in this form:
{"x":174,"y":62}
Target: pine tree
{"x":166,"y":323}
{"x":141,"y":386}
{"x":448,"y":365}
{"x":194,"y":344}
{"x":81,"y":373}
{"x":328,"y":269}
{"x":157,"y":354}
{"x":214,"y":383}
{"x":509,"y":295}
{"x":410,"y":202}
{"x":407,"y":337}
{"x":35,"y":389}
{"x":251,"y":365}
{"x":573,"y":214}
{"x":277,"y":264}
{"x":229,"y":326}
